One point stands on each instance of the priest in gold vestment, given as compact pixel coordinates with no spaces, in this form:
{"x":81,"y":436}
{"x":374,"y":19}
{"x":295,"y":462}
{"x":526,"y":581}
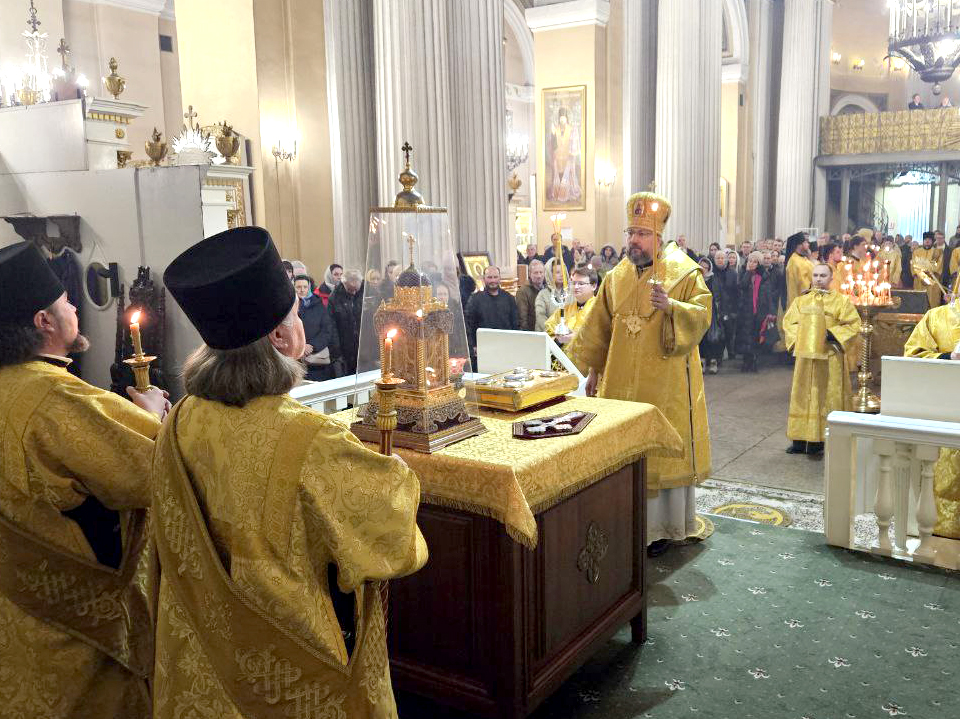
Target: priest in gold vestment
{"x":937,"y":336}
{"x":819,"y":327}
{"x":76,"y":631}
{"x":275,"y":526}
{"x":583,"y":281}
{"x":929,"y":258}
{"x":639,"y":342}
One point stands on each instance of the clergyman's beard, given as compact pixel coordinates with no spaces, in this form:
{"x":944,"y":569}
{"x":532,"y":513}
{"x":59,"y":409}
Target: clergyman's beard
{"x":639,"y":257}
{"x":79,"y":345}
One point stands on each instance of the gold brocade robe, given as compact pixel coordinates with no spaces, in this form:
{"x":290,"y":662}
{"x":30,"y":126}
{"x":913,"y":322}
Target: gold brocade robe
{"x":932,"y":260}
{"x":799,"y":277}
{"x":574,"y":315}
{"x":277,"y":520}
{"x":895,"y":259}
{"x":643,"y":355}
{"x":934,"y":336}
{"x":820,"y":386}
{"x":62,"y":440}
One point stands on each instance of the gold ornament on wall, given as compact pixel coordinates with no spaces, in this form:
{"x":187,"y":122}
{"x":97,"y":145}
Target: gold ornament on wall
{"x":114,"y":82}
{"x":156,"y":148}
{"x":228,"y":143}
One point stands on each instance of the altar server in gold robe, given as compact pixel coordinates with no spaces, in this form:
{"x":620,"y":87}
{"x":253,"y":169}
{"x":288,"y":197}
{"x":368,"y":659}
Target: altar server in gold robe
{"x":639,"y":342}
{"x":583,"y":281}
{"x":76,"y":633}
{"x":937,"y":336}
{"x":799,"y":267}
{"x":267,"y":511}
{"x":891,"y":262}
{"x":928,"y":258}
{"x":818,"y":329}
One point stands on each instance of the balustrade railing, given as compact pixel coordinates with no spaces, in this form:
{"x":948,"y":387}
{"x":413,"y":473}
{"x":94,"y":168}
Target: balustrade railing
{"x":884,"y":132}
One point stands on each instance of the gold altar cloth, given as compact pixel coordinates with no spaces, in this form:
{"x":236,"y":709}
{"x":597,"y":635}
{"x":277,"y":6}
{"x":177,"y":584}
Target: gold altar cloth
{"x":511,"y":480}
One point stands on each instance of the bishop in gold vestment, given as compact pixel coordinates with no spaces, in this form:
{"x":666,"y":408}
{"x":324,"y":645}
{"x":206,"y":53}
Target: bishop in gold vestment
{"x":936,"y":336}
{"x":640,"y":353}
{"x":76,"y":633}
{"x":818,"y":329}
{"x":264,"y":509}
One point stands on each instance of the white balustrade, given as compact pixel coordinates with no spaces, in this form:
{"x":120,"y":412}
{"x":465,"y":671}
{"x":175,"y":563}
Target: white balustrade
{"x":907,"y":450}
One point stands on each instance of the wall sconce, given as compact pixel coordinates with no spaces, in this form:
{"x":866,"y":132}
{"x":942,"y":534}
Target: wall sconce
{"x":285,"y":149}
{"x":835,"y":58}
{"x":858,"y":65}
{"x":604,"y":173}
{"x":898,"y":64}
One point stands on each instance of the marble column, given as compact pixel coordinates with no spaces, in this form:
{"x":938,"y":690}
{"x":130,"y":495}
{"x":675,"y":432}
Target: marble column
{"x":762,"y":57}
{"x":688,"y":118}
{"x":804,"y":96}
{"x":353,"y":137}
{"x":639,"y":93}
{"x":478,"y":120}
{"x":411,"y":67}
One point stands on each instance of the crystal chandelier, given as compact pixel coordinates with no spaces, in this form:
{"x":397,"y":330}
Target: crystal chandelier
{"x":926,"y":33}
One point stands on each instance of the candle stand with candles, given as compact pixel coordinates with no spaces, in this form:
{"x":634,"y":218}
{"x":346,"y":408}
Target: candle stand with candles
{"x":414,"y":338}
{"x":868,"y":287}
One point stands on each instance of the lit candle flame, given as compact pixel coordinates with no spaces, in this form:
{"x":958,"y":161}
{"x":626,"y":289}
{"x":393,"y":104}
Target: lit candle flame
{"x":392,"y":333}
{"x":135,"y":317}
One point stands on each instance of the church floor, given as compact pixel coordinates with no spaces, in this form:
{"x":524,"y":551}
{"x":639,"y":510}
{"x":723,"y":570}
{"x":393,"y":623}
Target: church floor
{"x":762,"y":622}
{"x":748,"y":422}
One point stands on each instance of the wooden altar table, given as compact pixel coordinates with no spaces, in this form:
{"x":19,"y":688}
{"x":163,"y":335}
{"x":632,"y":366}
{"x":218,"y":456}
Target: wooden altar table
{"x":537,"y":552}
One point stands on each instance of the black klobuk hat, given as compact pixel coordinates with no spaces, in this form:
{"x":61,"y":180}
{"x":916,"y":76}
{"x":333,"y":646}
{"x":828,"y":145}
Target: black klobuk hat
{"x":27,"y":284}
{"x":232,"y":287}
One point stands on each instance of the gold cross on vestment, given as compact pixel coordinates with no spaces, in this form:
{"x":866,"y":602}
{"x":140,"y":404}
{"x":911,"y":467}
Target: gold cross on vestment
{"x":189,"y":116}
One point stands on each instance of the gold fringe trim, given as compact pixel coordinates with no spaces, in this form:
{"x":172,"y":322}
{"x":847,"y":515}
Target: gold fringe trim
{"x":515,"y":533}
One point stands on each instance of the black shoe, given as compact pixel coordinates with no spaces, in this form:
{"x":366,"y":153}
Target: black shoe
{"x":655,"y":549}
{"x":815,"y":449}
{"x":798,"y":447}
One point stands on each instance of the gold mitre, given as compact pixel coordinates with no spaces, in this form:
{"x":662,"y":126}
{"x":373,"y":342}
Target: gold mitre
{"x":648,"y":210}
{"x":865,"y":233}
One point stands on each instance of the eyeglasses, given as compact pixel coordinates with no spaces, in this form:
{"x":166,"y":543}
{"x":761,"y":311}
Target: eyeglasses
{"x":634,"y":232}
{"x":575,"y":283}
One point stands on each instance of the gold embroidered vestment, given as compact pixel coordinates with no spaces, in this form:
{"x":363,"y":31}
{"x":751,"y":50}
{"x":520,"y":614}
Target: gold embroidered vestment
{"x":284,"y":492}
{"x":62,"y":440}
{"x":820,"y":386}
{"x":643,"y":355}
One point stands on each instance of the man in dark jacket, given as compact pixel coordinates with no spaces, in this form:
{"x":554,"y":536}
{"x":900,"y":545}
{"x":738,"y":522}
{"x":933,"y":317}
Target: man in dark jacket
{"x":346,"y":307}
{"x":493,"y":308}
{"x":527,"y":295}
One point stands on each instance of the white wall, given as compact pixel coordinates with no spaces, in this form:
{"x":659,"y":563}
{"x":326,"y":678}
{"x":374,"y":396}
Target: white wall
{"x":131,"y":217}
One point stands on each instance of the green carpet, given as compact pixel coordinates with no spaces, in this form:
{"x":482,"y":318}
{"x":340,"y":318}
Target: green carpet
{"x":762,"y":622}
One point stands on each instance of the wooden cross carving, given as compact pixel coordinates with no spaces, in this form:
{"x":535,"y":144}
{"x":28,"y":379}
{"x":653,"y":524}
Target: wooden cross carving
{"x":189,"y":116}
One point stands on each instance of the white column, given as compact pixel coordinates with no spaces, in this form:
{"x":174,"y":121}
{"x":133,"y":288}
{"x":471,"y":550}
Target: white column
{"x":413,"y":96}
{"x":804,"y":95}
{"x":761,"y":113}
{"x":478,"y":122}
{"x":353,"y":137}
{"x":688,"y":118}
{"x":639,"y":94}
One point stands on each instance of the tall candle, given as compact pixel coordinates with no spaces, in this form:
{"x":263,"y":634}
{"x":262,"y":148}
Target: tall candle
{"x":135,"y":333}
{"x":388,"y":353}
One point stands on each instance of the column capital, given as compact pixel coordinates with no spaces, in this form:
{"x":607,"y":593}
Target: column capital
{"x":574,"y":13}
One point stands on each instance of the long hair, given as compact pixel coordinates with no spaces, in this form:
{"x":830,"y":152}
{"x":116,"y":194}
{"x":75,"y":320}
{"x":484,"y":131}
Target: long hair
{"x":19,"y":343}
{"x":235,"y":377}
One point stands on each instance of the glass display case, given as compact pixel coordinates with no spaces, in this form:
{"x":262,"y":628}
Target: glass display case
{"x":412,"y":331}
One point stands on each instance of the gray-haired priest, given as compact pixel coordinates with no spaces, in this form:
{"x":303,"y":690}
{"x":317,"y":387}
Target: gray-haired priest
{"x":264,"y":509}
{"x":76,"y":634}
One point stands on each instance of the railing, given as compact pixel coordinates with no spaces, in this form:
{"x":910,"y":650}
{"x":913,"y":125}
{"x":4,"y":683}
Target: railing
{"x":896,"y":456}
{"x":901,"y":131}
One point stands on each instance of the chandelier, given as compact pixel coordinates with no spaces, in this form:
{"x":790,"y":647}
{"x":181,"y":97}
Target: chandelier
{"x":926,"y":33}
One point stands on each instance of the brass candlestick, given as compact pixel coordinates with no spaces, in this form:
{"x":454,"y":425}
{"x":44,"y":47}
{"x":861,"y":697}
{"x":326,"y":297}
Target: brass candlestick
{"x":140,"y":364}
{"x":866,"y":402}
{"x":386,"y":411}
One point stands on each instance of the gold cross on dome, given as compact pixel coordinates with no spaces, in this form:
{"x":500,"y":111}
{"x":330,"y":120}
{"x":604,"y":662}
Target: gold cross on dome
{"x":189,"y":116}
{"x":33,"y":22}
{"x":407,"y":149}
{"x":412,"y":241}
